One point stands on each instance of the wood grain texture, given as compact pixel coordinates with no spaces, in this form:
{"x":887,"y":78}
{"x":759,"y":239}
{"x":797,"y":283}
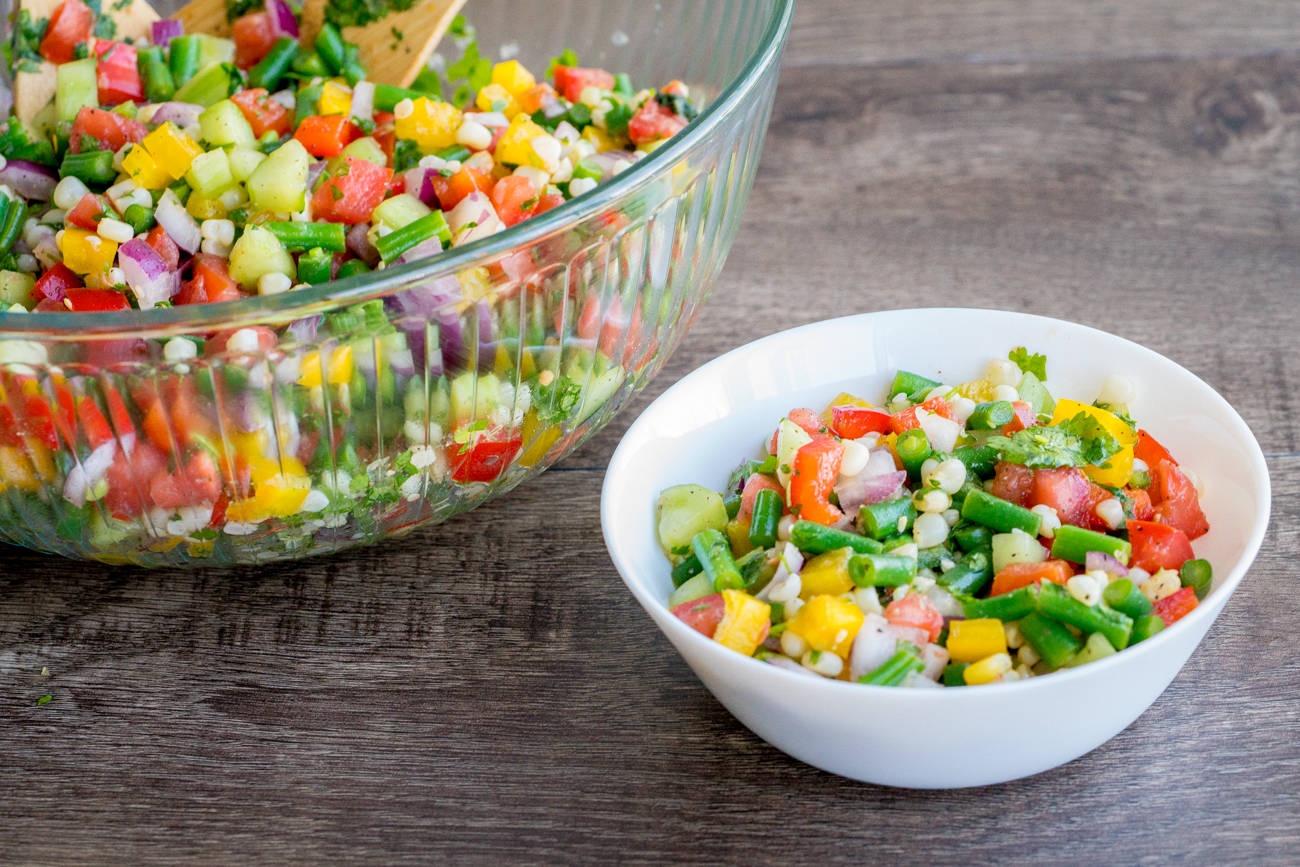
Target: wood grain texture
{"x":487,"y":691}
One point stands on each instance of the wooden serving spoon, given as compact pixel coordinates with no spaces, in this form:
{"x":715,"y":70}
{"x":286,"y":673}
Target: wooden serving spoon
{"x":393,"y":49}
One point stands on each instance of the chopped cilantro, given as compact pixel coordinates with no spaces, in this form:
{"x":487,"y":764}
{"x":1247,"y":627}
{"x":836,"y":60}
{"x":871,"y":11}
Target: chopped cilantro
{"x":567,"y":58}
{"x":105,"y":27}
{"x":678,"y":105}
{"x":45,"y":699}
{"x":359,"y":13}
{"x":528,"y":205}
{"x":557,"y":401}
{"x":1035,"y":364}
{"x":1076,"y":442}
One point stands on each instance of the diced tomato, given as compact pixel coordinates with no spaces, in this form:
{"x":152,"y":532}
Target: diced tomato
{"x":530,"y":101}
{"x":197,"y":482}
{"x":1016,"y":575}
{"x":93,"y":423}
{"x":164,"y":246}
{"x":906,"y":420}
{"x":1151,"y":452}
{"x":263,"y":113}
{"x":396,"y":186}
{"x":653,"y":122}
{"x":118,"y":414}
{"x":326,"y":136}
{"x":128,"y":479}
{"x":485,"y":457}
{"x":70,"y":24}
{"x":55,"y":283}
{"x":103,"y":353}
{"x":810,"y":421}
{"x":915,"y":611}
{"x":1013,"y":483}
{"x":96,"y":300}
{"x":1025,"y":418}
{"x":755,"y":483}
{"x":211,"y":282}
{"x":254,"y":38}
{"x":1176,"y":605}
{"x":510,"y":195}
{"x":87,"y":213}
{"x":1071,"y":494}
{"x":815,"y":468}
{"x":570,"y":80}
{"x":157,"y":427}
{"x":352,"y":196}
{"x":216,"y":344}
{"x":110,"y":129}
{"x":1175,"y":500}
{"x":852,"y":422}
{"x":703,"y":614}
{"x":1140,"y":502}
{"x":1157,"y":546}
{"x":547,"y":202}
{"x":118,"y":77}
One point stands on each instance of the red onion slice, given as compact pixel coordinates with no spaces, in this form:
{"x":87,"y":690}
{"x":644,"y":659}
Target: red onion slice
{"x":282,"y":20}
{"x":30,"y":180}
{"x":146,"y":273}
{"x":1096,"y":561}
{"x":864,"y":490}
{"x":358,"y":239}
{"x":165,"y":30}
{"x":177,"y":223}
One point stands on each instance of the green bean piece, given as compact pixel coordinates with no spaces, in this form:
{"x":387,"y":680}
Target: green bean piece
{"x":972,"y":537}
{"x":768,"y":507}
{"x":1139,"y":479}
{"x":991,"y":415}
{"x":913,"y":385}
{"x":756,"y":570}
{"x":305,"y":102}
{"x":329,"y":44}
{"x":913,"y":448}
{"x":1002,"y":515}
{"x":980,"y":461}
{"x":396,"y":243}
{"x":813,"y":538}
{"x":314,"y":266}
{"x":954,"y":674}
{"x":459,"y":153}
{"x":155,"y":74}
{"x":273,"y":67}
{"x":309,"y":65}
{"x":890,"y":518}
{"x":387,"y":96}
{"x":1095,"y":648}
{"x":881,"y":570}
{"x":1197,"y":575}
{"x":1124,"y":597}
{"x":969,"y":576}
{"x":299,"y":237}
{"x":1073,"y":544}
{"x":15,"y":214}
{"x":184,"y":58}
{"x":1145,"y":627}
{"x":1055,"y":601}
{"x":92,"y":167}
{"x":686,"y":570}
{"x":1050,"y":639}
{"x":896,"y":669}
{"x":139,"y":218}
{"x":932,"y":558}
{"x":1007,"y":607}
{"x":714,"y":553}
{"x":353,"y":267}
{"x":623,"y":84}
{"x":732,"y":504}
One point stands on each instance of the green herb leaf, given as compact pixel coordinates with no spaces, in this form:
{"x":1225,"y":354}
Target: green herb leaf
{"x":1077,"y":442}
{"x":1035,"y":364}
{"x":567,"y":58}
{"x":45,"y":699}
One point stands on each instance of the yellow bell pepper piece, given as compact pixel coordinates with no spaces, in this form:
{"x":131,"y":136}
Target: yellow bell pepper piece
{"x":744,"y":623}
{"x":335,"y":98}
{"x":513,"y":77}
{"x":431,"y":125}
{"x":601,"y":139}
{"x":144,"y":170}
{"x":87,"y":253}
{"x":494,"y":97}
{"x":172,"y":149}
{"x":1119,"y":466}
{"x":515,"y":146}
{"x":205,"y":209}
{"x":973,"y":640}
{"x":826,"y":574}
{"x":738,"y":534}
{"x":339,"y":369}
{"x":539,"y":439}
{"x":17,"y":470}
{"x":828,"y":623}
{"x":978,"y":390}
{"x":987,"y":670}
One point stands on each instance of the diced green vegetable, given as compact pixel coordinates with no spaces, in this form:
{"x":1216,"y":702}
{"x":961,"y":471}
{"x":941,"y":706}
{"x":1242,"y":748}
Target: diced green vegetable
{"x":280,"y":181}
{"x":223,"y":123}
{"x":76,"y":88}
{"x":1073,"y":544}
{"x":259,"y":252}
{"x":682,"y":510}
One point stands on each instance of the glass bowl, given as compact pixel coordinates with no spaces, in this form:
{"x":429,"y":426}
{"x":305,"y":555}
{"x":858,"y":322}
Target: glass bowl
{"x":406,"y":395}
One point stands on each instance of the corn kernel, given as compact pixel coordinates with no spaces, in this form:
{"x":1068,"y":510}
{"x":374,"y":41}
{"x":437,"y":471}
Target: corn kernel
{"x":87,"y":253}
{"x":601,"y":139}
{"x":973,"y":640}
{"x":431,"y":124}
{"x":987,"y":670}
{"x":144,"y":170}
{"x":171,"y":149}
{"x":335,"y":98}
{"x":744,"y":624}
{"x":513,"y":77}
{"x":1164,"y":583}
{"x":826,"y":574}
{"x":827,"y":623}
{"x":494,"y":97}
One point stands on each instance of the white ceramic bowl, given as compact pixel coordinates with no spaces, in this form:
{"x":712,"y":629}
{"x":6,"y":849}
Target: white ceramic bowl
{"x":705,"y":424}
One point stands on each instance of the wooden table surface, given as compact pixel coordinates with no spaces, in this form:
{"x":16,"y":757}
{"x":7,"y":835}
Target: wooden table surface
{"x":487,"y":690}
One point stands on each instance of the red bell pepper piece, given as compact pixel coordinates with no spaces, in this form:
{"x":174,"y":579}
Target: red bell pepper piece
{"x":93,"y":423}
{"x":813,"y":473}
{"x":1150,"y":452}
{"x":326,"y":136}
{"x":906,"y":420}
{"x":1176,"y":605}
{"x":485,"y":457}
{"x":96,"y":300}
{"x":55,"y":283}
{"x":117,"y":76}
{"x":70,"y":24}
{"x":1157,"y":546}
{"x":1025,"y":418}
{"x":853,"y":422}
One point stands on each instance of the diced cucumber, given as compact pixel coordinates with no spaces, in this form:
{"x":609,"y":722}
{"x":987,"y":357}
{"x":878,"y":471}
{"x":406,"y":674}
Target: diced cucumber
{"x":683,"y":511}
{"x":259,"y":252}
{"x":209,"y":87}
{"x":224,"y":124}
{"x":1097,"y":647}
{"x":789,"y":439}
{"x":214,"y":49}
{"x":694,"y":588}
{"x":602,"y":388}
{"x":280,"y":182}
{"x":16,"y":288}
{"x":399,"y":211}
{"x":210,"y":174}
{"x":76,"y":88}
{"x":363,"y":148}
{"x":474,"y":396}
{"x":243,"y":160}
{"x":1017,"y":547}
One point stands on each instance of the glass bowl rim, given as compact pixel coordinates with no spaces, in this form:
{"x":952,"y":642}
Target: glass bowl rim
{"x":364,"y":287}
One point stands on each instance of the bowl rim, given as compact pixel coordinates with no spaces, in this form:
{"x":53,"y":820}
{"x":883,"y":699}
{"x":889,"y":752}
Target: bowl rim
{"x":655,"y":606}
{"x":364,"y":287}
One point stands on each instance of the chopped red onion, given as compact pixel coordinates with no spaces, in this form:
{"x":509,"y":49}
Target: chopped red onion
{"x":608,"y":159}
{"x":552,"y":107}
{"x":314,"y":173}
{"x":423,"y":250}
{"x":433,"y":303}
{"x":304,"y":330}
{"x":177,"y":223}
{"x":862,"y":490}
{"x":165,"y":30}
{"x":1096,"y":561}
{"x":146,"y":273}
{"x":358,"y":238}
{"x":363,"y":100}
{"x":789,"y":664}
{"x":472,"y":219}
{"x":29,"y":180}
{"x":183,"y":114}
{"x":419,"y":183}
{"x":282,"y":21}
